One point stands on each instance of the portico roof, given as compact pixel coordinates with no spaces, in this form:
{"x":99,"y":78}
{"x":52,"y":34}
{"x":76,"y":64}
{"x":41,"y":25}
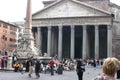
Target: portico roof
{"x":107,"y":13}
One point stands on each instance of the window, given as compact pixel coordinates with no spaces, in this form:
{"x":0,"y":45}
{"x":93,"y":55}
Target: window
{"x":5,"y":25}
{"x":0,"y":24}
{"x":4,"y":31}
{"x":11,"y":39}
{"x":15,"y":29}
{"x":13,"y":33}
{"x":11,"y":27}
{"x":3,"y":37}
{"x":15,"y":45}
{"x":14,"y":40}
{"x":12,"y":45}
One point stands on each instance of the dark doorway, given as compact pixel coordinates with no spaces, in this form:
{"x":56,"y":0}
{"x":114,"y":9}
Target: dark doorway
{"x":103,"y":41}
{"x":91,"y":41}
{"x":66,"y":42}
{"x":54,"y":40}
{"x":78,"y":41}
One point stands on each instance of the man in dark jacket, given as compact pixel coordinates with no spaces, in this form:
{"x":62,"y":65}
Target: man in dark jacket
{"x":80,"y":69}
{"x":37,"y":68}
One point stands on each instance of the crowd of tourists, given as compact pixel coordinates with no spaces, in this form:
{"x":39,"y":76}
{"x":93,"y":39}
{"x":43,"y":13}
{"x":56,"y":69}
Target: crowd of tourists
{"x":110,"y":66}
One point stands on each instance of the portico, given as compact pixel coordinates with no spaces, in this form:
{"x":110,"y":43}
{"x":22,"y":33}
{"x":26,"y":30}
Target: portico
{"x":74,"y":36}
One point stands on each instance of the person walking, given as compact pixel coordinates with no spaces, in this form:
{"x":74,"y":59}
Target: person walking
{"x":80,"y":70}
{"x":37,"y":68}
{"x":52,"y":66}
{"x":27,"y":66}
{"x":110,"y":67}
{"x":21,"y":67}
{"x":31,"y":65}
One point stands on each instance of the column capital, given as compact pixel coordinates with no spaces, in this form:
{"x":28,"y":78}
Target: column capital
{"x":96,"y":27}
{"x":84,"y":27}
{"x":49,"y":27}
{"x":72,"y":27}
{"x":109,"y":27}
{"x":39,"y":28}
{"x":60,"y":27}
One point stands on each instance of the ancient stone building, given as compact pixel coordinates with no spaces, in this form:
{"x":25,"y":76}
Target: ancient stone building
{"x":77,"y":28}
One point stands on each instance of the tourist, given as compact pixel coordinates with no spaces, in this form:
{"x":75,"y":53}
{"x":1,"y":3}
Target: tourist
{"x":80,"y":69}
{"x":31,"y":65}
{"x":37,"y":68}
{"x":118,"y":73}
{"x":110,"y":67}
{"x":52,"y":66}
{"x":60,"y":69}
{"x":27,"y":66}
{"x":14,"y":59}
{"x":21,"y":67}
{"x":55,"y":57}
{"x":94,"y":63}
{"x":16,"y":66}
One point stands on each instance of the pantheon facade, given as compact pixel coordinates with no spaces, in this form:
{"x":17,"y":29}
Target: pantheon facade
{"x":74,"y":29}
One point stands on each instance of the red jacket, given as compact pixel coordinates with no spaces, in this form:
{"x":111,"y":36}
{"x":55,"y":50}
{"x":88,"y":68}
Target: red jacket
{"x":51,"y":63}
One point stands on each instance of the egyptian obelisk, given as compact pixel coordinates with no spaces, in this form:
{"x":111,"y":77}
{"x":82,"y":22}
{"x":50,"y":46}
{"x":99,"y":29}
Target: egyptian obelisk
{"x":28,"y":36}
{"x":28,"y":25}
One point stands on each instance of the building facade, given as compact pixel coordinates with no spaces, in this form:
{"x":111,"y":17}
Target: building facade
{"x":75,"y":28}
{"x":7,"y":37}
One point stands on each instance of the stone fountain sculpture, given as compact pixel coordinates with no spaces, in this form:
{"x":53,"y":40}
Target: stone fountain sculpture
{"x":26,"y":46}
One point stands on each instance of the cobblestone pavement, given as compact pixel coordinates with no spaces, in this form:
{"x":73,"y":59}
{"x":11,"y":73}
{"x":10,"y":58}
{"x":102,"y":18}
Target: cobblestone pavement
{"x":89,"y":74}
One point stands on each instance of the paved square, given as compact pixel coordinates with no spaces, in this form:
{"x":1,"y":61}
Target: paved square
{"x":89,"y":74}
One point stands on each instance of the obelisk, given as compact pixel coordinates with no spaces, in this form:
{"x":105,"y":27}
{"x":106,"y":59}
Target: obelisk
{"x":26,"y":46}
{"x":28,"y":36}
{"x":28,"y":19}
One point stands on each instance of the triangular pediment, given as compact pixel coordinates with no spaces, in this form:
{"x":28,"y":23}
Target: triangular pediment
{"x":69,"y":8}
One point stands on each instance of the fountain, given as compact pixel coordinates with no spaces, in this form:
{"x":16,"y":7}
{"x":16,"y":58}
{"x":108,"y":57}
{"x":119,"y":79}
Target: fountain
{"x":26,"y":46}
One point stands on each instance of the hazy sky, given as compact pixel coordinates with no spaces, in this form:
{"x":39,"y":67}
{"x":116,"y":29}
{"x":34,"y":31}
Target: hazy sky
{"x":15,"y":10}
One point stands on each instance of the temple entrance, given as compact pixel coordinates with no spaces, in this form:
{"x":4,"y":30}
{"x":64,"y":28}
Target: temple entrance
{"x":90,"y":41}
{"x":103,"y":41}
{"x":44,"y":40}
{"x":78,"y":41}
{"x":66,"y":42}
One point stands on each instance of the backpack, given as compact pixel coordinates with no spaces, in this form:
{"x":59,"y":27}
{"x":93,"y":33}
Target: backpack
{"x":15,"y":59}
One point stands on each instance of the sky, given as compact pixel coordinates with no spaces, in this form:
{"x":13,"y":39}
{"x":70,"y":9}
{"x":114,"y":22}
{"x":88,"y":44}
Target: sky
{"x":15,"y":10}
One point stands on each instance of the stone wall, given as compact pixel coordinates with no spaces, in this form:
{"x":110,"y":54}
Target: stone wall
{"x":102,"y":4}
{"x":115,"y":9}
